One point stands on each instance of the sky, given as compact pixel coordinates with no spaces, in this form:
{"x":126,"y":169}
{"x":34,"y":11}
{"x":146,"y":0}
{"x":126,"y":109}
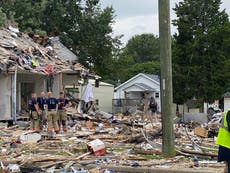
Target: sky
{"x":135,"y":17}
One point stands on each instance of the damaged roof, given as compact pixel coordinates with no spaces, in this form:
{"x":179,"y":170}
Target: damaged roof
{"x":20,"y":50}
{"x":61,"y":50}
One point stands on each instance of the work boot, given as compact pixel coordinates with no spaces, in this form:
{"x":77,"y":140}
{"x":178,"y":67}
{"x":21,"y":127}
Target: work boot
{"x":49,"y":135}
{"x":54,"y":134}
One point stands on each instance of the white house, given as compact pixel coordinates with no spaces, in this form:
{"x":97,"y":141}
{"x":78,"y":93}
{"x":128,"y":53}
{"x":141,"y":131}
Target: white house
{"x":141,"y":86}
{"x":103,"y":95}
{"x":225,"y":101}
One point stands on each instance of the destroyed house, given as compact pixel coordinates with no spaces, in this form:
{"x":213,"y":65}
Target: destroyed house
{"x":26,"y":66}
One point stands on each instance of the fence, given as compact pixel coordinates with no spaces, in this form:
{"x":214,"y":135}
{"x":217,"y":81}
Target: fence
{"x":127,"y":105}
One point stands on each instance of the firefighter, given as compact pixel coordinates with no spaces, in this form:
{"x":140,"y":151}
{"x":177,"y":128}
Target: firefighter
{"x":34,"y":112}
{"x":63,"y":103}
{"x":223,"y":140}
{"x":42,"y":103}
{"x":52,"y":117}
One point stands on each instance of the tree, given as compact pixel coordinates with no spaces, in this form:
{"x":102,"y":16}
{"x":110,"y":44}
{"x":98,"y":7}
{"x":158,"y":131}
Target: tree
{"x":27,"y":13}
{"x":198,"y":67}
{"x":143,"y":48}
{"x":86,"y":29}
{"x":82,"y":26}
{"x":2,"y":17}
{"x":140,"y":55}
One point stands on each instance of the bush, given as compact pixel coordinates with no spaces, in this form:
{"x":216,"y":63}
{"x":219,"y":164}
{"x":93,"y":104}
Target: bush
{"x":2,"y":18}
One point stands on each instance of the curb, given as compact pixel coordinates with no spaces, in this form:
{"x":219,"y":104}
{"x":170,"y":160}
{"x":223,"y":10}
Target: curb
{"x":156,"y":170}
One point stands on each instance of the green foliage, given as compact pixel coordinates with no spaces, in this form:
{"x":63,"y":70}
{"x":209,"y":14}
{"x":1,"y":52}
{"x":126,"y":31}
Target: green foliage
{"x":149,"y":67}
{"x":2,"y":17}
{"x":140,"y":55}
{"x":27,"y":13}
{"x":81,"y":24}
{"x":143,"y":48}
{"x":200,"y":56}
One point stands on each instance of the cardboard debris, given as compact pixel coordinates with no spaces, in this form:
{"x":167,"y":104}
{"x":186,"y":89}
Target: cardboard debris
{"x":199,"y":131}
{"x":97,"y":146}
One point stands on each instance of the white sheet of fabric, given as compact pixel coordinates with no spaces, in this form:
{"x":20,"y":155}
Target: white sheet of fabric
{"x":87,"y":95}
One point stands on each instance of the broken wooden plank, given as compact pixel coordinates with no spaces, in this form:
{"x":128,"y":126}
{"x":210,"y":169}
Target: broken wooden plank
{"x":199,"y":153}
{"x":60,"y":162}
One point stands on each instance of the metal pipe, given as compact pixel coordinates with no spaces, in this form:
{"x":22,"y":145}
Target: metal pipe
{"x":14,"y":96}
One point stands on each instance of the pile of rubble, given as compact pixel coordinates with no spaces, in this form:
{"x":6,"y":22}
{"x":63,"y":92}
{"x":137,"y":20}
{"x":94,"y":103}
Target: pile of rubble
{"x":97,"y":141}
{"x":32,"y":53}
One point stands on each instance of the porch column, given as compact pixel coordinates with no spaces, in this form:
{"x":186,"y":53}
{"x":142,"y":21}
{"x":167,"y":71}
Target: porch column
{"x":14,"y":95}
{"x":45,"y":84}
{"x":19,"y":96}
{"x":60,"y":82}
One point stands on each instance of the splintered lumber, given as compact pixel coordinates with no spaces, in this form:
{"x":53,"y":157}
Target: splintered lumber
{"x":159,"y":161}
{"x":60,"y":162}
{"x":163,"y":162}
{"x":199,"y":153}
{"x":68,"y":152}
{"x":147,"y":152}
{"x":107,"y":137}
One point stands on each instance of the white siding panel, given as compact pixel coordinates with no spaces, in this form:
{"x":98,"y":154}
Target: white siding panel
{"x":5,"y":93}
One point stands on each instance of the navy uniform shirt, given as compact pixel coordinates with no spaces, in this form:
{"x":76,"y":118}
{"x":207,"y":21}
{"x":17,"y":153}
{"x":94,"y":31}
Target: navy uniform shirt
{"x":51,"y":103}
{"x":31,"y":104}
{"x":62,"y":103}
{"x":41,"y":102}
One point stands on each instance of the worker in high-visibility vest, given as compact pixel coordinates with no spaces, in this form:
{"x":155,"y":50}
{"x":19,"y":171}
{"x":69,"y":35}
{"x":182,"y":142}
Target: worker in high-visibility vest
{"x":223,"y":140}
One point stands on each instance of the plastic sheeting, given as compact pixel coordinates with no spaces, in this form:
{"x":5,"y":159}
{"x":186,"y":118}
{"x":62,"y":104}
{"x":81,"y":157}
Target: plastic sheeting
{"x":87,"y":95}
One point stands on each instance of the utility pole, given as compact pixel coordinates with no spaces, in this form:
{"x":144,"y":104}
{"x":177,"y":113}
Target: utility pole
{"x":168,"y":145}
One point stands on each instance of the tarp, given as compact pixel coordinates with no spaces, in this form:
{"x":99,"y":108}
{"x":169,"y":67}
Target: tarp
{"x":87,"y":95}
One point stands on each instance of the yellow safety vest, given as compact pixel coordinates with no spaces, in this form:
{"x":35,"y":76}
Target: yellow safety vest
{"x":223,"y":137}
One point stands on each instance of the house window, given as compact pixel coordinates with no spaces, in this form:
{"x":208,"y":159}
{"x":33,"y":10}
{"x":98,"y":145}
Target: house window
{"x":156,"y":95}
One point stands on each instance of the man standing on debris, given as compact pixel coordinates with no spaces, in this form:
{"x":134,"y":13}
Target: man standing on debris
{"x":34,"y":112}
{"x":63,"y":103}
{"x":42,"y":103}
{"x":153,"y":108}
{"x":52,"y":116}
{"x":223,"y":140}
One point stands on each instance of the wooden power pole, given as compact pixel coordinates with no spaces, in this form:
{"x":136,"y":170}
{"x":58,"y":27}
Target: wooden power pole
{"x":168,"y":145}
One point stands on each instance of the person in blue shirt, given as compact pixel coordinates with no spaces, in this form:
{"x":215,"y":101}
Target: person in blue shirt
{"x":153,"y":106}
{"x":63,"y":103}
{"x":42,"y":103}
{"x":52,"y":117}
{"x":34,"y":112}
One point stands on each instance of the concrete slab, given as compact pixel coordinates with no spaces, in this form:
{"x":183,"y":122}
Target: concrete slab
{"x":195,"y":117}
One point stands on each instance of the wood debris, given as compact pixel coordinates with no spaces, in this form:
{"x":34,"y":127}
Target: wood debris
{"x":126,"y":141}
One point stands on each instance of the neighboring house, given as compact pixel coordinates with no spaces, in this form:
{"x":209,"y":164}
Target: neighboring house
{"x":225,"y":102}
{"x":140,"y":87}
{"x":26,"y":66}
{"x":192,"y":106}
